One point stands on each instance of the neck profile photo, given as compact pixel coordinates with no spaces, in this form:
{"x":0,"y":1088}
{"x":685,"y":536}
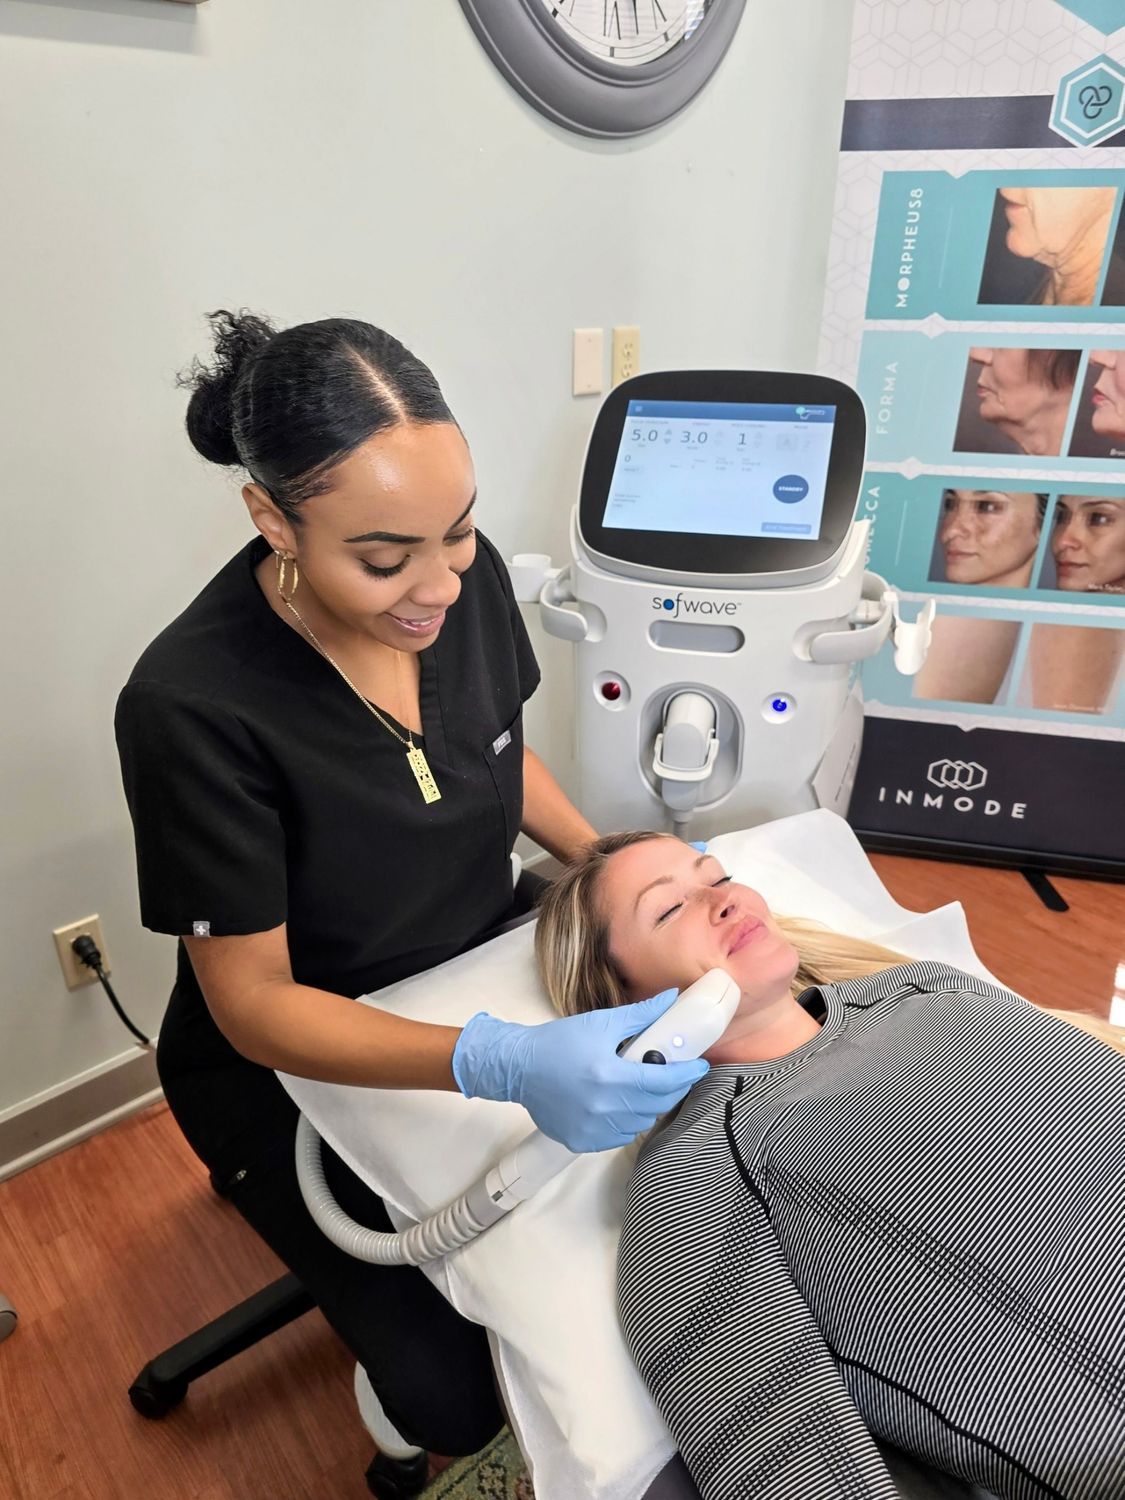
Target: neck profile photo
{"x":1047,"y":246}
{"x":1016,"y":400}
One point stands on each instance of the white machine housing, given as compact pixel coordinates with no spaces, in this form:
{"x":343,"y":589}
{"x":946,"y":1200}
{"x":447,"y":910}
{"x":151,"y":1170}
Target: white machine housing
{"x":716,"y":679}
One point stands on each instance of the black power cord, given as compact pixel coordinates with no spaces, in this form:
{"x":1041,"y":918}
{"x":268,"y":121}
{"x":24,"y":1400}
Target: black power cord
{"x":87,"y":952}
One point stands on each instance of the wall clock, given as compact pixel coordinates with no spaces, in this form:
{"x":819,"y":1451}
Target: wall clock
{"x":606,"y":67}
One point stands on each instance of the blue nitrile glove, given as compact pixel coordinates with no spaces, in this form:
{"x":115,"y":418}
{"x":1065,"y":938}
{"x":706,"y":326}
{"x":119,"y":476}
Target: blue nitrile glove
{"x":702,"y":847}
{"x":568,"y":1076}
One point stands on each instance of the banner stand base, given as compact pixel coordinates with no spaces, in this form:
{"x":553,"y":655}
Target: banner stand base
{"x":1053,"y":900}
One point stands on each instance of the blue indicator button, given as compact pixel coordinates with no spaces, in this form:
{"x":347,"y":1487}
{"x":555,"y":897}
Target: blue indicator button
{"x":669,"y":604}
{"x":791,"y":488}
{"x":779,"y":708}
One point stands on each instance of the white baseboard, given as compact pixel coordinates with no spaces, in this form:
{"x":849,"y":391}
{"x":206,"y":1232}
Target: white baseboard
{"x":68,"y":1113}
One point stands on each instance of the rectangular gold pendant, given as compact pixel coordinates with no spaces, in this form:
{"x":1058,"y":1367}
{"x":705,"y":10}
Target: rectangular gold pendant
{"x":423,"y":775}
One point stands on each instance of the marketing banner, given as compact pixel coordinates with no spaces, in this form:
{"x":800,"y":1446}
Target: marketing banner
{"x":976,"y":298}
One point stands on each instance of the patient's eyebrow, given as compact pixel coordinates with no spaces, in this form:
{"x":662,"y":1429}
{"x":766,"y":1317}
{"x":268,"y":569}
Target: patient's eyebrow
{"x":666,"y":880}
{"x":405,"y":541}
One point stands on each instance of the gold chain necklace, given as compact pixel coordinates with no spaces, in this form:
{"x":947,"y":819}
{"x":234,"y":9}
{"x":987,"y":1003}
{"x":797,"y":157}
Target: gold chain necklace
{"x":415,"y":756}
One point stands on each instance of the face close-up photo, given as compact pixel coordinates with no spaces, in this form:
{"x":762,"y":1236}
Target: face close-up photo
{"x":988,"y":537}
{"x":1108,"y":418}
{"x":1088,"y":544}
{"x":1099,"y":423}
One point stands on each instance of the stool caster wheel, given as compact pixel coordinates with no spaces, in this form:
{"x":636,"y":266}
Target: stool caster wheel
{"x":8,"y":1318}
{"x":397,"y":1478}
{"x":155,"y":1398}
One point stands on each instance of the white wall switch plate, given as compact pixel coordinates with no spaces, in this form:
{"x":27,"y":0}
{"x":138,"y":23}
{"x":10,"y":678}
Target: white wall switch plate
{"x":589,"y":362}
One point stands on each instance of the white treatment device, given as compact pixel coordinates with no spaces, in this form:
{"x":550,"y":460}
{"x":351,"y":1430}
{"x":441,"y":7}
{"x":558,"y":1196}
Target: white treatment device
{"x":719,"y":601}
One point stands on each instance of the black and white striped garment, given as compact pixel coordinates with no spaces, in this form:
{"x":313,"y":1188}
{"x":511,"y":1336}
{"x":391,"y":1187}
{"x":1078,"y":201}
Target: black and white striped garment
{"x":912,"y":1227}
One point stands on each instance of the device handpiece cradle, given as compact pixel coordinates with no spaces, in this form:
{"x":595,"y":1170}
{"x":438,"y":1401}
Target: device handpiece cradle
{"x":691,"y":1025}
{"x":876,"y":618}
{"x":535,"y":581}
{"x":685,"y":753}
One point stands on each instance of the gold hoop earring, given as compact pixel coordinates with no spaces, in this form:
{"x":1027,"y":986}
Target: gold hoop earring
{"x":284,"y":587}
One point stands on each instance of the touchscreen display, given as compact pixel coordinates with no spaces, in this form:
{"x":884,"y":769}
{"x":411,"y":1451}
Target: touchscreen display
{"x":721,"y":469}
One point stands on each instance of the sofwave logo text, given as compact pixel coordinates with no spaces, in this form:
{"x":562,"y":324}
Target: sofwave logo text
{"x":676,"y":605}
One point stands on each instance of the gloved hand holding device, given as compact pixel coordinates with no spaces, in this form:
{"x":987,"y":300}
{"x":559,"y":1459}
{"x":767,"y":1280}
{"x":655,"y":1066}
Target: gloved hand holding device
{"x":568,"y":1076}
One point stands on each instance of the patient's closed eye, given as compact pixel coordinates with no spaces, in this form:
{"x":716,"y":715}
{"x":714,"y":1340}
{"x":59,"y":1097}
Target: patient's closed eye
{"x":664,"y":914}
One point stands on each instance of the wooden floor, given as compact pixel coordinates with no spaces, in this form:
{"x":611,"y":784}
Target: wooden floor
{"x":1066,"y":960}
{"x":118,"y":1247}
{"x":110,"y":1253}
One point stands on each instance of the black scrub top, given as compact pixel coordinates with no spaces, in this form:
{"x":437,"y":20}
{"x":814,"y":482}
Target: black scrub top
{"x":262,"y":791}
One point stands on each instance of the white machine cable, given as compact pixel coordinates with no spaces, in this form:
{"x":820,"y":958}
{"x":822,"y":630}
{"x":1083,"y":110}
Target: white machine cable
{"x":695,"y":1022}
{"x":455,"y":1225}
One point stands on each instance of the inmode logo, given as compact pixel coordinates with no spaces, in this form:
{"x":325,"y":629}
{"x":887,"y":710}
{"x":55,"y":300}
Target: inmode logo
{"x":954,"y":776}
{"x":678,"y":605}
{"x":965,"y":775}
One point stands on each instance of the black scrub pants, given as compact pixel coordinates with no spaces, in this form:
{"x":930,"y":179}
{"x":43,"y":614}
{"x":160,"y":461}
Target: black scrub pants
{"x":430,"y":1368}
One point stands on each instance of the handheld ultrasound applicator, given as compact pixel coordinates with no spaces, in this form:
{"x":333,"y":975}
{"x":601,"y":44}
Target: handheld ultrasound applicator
{"x":694,"y":1022}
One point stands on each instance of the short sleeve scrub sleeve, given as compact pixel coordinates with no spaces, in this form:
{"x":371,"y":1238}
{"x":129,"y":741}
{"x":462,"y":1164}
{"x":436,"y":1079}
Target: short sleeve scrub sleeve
{"x":262,"y":792}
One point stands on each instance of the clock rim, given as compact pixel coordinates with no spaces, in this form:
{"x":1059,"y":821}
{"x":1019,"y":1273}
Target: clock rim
{"x":600,"y":67}
{"x":591,"y":95}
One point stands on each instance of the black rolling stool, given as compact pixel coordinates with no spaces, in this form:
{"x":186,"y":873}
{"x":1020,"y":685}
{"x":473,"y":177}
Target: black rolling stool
{"x":164,"y":1381}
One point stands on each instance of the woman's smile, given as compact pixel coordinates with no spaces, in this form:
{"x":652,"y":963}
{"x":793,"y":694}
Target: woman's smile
{"x":419,"y":625}
{"x":746,"y":932}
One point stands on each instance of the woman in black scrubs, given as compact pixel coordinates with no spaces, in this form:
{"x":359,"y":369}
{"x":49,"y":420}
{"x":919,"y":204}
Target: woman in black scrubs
{"x":324,"y":762}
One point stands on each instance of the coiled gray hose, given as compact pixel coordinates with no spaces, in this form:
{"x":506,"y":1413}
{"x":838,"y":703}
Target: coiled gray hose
{"x":455,"y":1225}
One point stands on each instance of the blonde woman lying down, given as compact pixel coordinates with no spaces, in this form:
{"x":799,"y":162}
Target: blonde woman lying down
{"x":892,"y":1207}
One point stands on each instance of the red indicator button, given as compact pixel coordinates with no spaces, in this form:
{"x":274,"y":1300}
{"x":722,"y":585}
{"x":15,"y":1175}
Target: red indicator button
{"x":611,"y":691}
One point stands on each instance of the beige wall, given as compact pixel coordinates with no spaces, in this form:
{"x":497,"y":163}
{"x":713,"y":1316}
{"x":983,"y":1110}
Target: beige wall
{"x":308,"y":157}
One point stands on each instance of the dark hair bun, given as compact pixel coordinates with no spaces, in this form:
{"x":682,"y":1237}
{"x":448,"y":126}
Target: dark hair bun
{"x":290,"y":406}
{"x":210,"y":414}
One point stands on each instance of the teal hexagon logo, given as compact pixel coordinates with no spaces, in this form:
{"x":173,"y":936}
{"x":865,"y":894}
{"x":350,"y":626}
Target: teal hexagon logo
{"x":1090,"y":104}
{"x":1104,"y":14}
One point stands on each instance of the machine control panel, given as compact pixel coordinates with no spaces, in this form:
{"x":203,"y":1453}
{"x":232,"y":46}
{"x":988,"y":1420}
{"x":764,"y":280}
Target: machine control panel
{"x":722,"y":468}
{"x":735,"y":478}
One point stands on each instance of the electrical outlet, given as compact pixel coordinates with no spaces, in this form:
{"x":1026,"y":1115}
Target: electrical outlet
{"x":589,"y":360}
{"x":76,"y":973}
{"x":626,"y":354}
